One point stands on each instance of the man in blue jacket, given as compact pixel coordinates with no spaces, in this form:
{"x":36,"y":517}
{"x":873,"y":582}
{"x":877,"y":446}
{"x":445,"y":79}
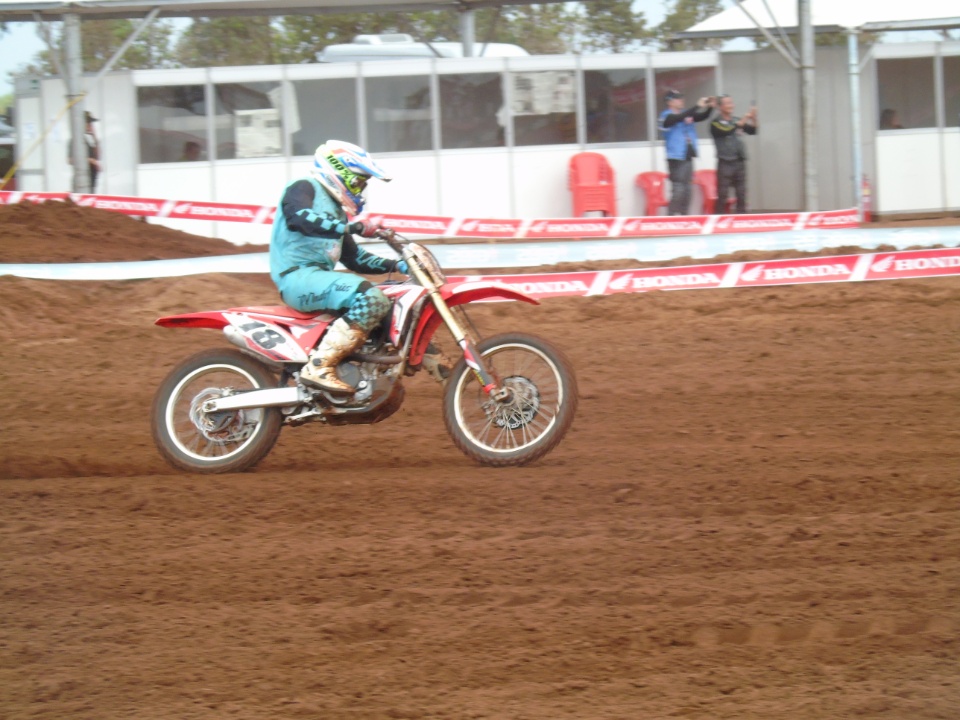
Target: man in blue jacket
{"x":680,"y":135}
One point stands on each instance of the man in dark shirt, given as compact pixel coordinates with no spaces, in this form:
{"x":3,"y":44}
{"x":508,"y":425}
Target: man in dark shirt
{"x":731,"y":154}
{"x":93,"y":149}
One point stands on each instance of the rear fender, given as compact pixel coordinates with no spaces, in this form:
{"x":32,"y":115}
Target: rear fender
{"x":279,"y":334}
{"x":458,"y":294}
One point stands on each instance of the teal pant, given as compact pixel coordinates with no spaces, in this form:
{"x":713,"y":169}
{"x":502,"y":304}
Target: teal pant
{"x":311,"y":289}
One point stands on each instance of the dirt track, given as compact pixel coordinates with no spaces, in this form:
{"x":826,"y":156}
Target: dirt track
{"x":756,"y":515}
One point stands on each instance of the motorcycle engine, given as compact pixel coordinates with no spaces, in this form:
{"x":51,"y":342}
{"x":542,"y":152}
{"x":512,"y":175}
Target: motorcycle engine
{"x":361,"y":376}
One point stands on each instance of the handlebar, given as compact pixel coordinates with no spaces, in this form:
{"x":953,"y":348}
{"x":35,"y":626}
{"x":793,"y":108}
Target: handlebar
{"x":389,"y":236}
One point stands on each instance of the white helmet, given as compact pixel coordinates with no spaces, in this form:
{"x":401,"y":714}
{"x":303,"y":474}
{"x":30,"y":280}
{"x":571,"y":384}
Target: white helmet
{"x":343,"y":169}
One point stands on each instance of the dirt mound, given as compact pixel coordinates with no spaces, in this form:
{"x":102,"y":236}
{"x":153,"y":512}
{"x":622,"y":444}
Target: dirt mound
{"x":62,"y":232}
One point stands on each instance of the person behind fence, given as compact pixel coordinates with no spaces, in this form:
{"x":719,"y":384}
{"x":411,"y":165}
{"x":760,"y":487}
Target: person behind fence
{"x":680,"y":136}
{"x":727,"y":132}
{"x":93,"y":149}
{"x":311,"y":233}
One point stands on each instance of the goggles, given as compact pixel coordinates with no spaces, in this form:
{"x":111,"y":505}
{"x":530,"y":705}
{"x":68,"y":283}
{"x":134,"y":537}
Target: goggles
{"x":356,"y":182}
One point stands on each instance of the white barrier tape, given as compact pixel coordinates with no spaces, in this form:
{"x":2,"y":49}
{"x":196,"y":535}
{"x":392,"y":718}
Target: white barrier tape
{"x":470,"y":227}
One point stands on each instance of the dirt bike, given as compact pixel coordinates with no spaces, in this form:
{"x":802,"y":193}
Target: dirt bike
{"x":508,"y":400}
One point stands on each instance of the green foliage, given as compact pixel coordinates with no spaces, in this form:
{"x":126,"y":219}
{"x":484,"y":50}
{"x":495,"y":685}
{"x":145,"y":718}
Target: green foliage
{"x":550,"y":28}
{"x":100,"y":39}
{"x":301,"y":37}
{"x":218,"y":42}
{"x":684,"y":14}
{"x":540,"y":29}
{"x":612,"y":25}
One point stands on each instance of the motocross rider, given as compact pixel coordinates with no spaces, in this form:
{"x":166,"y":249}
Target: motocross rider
{"x":311,"y":232}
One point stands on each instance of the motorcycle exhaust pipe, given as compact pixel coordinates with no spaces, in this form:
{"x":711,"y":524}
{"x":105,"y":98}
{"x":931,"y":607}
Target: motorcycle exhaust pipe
{"x":274,"y":397}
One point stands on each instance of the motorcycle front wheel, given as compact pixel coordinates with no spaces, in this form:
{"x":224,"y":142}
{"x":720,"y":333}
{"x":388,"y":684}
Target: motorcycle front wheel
{"x":190,"y":438}
{"x":537,"y":412}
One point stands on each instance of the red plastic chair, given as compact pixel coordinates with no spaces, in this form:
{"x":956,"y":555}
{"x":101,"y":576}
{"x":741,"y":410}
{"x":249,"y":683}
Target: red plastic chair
{"x":593,"y":185}
{"x":707,"y":180}
{"x":652,"y":185}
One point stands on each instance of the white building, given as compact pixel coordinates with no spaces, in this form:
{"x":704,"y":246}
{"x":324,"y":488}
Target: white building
{"x":492,"y":136}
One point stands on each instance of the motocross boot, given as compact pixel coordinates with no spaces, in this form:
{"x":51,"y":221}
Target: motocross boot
{"x":321,"y":369}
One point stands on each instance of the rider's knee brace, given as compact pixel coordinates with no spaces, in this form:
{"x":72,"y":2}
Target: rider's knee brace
{"x":368,"y":308}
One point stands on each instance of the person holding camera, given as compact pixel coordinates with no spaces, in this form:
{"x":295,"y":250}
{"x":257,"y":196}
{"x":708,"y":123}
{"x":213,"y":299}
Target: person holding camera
{"x":680,"y":137}
{"x":731,"y":153}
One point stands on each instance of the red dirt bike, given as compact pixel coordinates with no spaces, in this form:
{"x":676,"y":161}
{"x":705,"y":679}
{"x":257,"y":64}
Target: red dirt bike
{"x":508,"y":401}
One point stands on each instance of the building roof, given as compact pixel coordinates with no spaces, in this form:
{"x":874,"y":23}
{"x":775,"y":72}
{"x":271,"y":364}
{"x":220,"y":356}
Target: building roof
{"x":25,"y":10}
{"x":829,"y":16}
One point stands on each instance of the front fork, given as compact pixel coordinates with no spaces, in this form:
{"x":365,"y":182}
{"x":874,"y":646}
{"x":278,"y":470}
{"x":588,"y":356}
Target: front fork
{"x":473,"y":359}
{"x":470,"y":353}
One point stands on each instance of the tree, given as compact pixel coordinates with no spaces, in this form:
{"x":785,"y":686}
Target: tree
{"x":100,"y":39}
{"x":684,"y":14}
{"x":541,"y":29}
{"x":612,"y":25}
{"x":218,"y":42}
{"x":302,"y":37}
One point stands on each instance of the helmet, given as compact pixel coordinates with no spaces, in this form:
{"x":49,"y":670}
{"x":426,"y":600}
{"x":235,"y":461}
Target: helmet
{"x":343,"y":169}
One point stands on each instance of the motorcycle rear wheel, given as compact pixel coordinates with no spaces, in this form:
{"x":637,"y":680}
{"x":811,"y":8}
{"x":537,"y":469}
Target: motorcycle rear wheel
{"x":538,"y":413}
{"x":200,"y":442}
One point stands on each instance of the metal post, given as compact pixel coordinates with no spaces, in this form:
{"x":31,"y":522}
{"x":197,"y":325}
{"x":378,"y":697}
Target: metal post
{"x":811,"y":200}
{"x":467,"y":31}
{"x":78,"y":126}
{"x":855,"y":124}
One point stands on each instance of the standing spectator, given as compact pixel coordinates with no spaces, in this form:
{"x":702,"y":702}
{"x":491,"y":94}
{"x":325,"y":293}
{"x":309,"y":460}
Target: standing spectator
{"x":93,"y":149}
{"x":731,"y":154}
{"x":680,"y":135}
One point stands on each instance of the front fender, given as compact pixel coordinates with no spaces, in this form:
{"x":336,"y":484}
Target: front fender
{"x":459,"y":293}
{"x":474,"y":290}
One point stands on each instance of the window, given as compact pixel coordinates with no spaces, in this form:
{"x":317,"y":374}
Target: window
{"x":906,"y":94}
{"x":398,"y":113}
{"x":694,"y":83}
{"x":173,"y":123}
{"x":323,"y":110}
{"x":544,"y":107}
{"x":616,"y":105}
{"x":951,"y":90}
{"x":471,"y":108}
{"x":247,"y":120}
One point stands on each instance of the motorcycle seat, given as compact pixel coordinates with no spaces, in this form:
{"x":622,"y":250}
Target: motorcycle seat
{"x":281,"y":311}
